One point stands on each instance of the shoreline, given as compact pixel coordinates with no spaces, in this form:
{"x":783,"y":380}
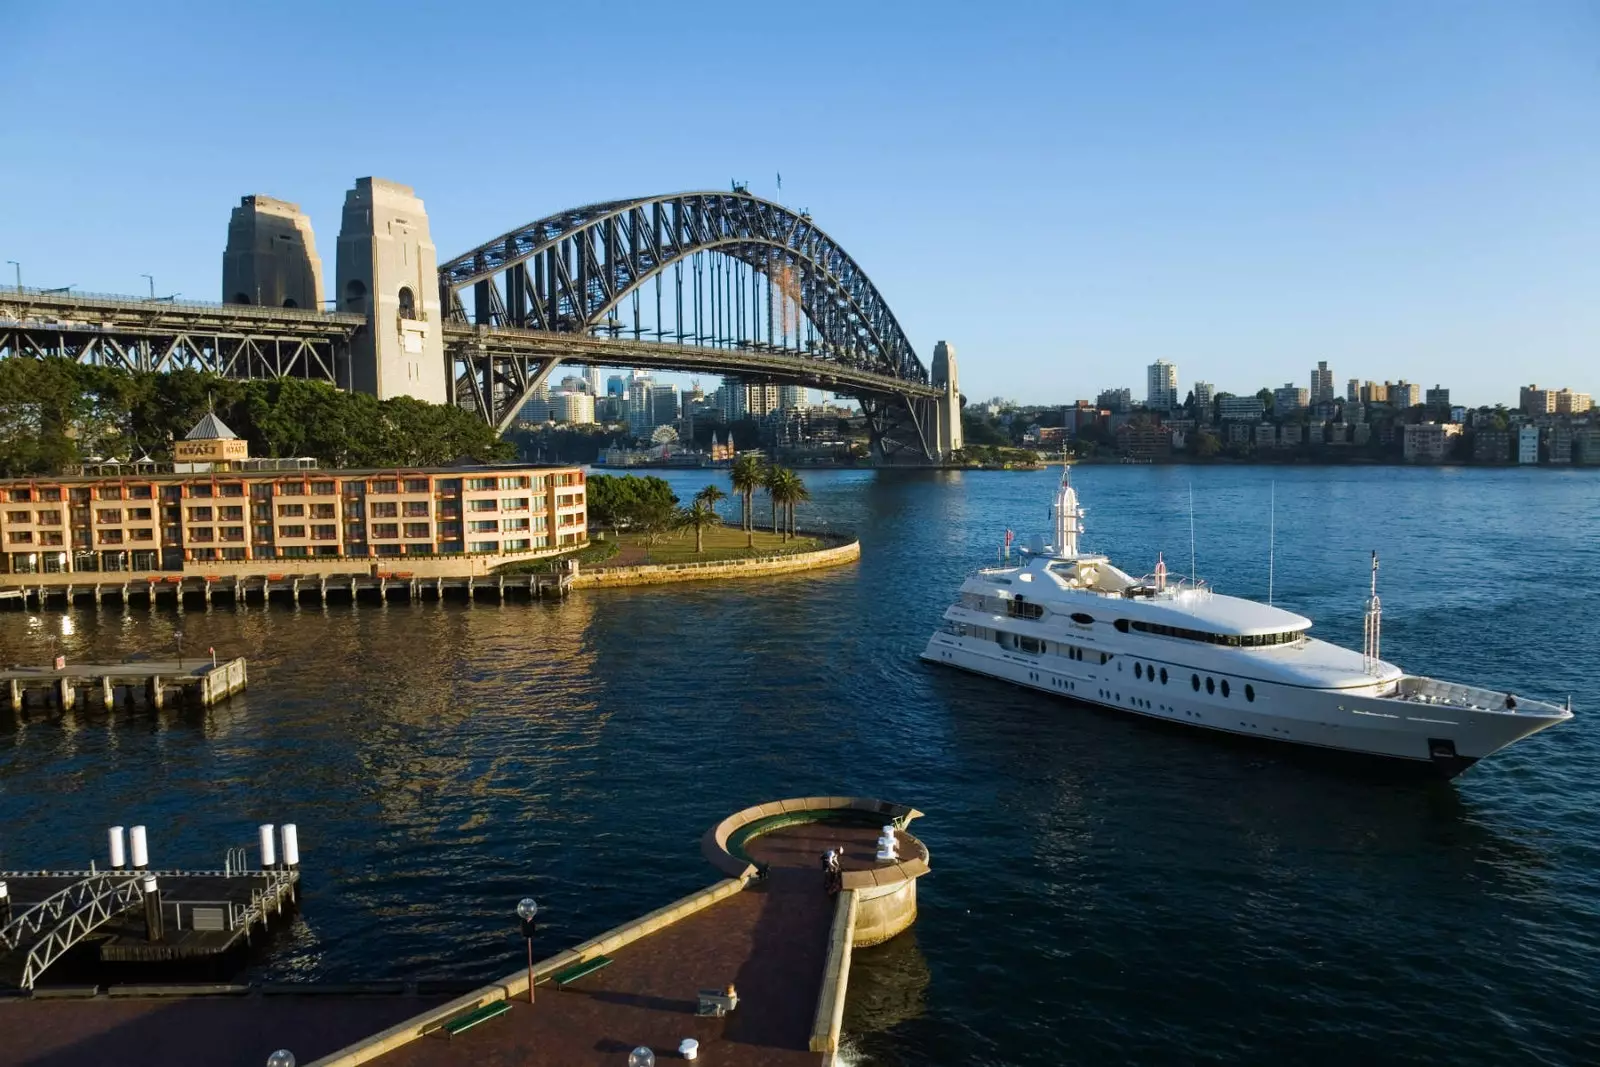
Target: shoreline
{"x":836,"y":551}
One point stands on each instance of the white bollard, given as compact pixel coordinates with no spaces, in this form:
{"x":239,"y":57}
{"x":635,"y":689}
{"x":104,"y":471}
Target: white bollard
{"x":689,"y":1048}
{"x":139,"y":846}
{"x":119,"y":848}
{"x":269,"y":847}
{"x":291,"y":844}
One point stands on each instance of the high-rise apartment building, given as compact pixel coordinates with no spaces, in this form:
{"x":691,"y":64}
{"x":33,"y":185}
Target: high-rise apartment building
{"x":1437,"y":398}
{"x":663,"y":405}
{"x":1403,"y":394}
{"x":1161,"y":385}
{"x":1569,"y":403}
{"x":592,"y":375}
{"x":1204,"y":393}
{"x":792,"y":398}
{"x":1535,"y":401}
{"x":1290,"y":398}
{"x":1321,"y":383}
{"x":1116,"y":401}
{"x":760,"y":400}
{"x":1352,"y":391}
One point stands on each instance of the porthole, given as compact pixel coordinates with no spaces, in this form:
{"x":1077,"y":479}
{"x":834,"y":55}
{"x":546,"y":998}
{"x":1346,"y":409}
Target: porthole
{"x":1081,"y":619}
{"x":1121,"y":625}
{"x":1163,"y":676}
{"x":1250,"y":692}
{"x":1194,"y":680}
{"x":1138,"y":670}
{"x":1224,"y":687}
{"x":1211,"y":685}
{"x":1149,"y":672}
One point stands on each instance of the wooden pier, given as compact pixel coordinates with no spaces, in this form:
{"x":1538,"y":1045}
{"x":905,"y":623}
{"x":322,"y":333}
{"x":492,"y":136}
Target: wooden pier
{"x":148,"y":591}
{"x":157,"y":683}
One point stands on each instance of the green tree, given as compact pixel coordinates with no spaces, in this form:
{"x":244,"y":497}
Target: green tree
{"x":796,"y":493}
{"x":698,"y":516}
{"x":746,"y":476}
{"x":654,"y":518}
{"x":772,"y":482}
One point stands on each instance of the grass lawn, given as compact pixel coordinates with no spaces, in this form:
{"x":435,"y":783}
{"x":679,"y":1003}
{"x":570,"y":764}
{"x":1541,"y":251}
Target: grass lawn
{"x":721,"y":542}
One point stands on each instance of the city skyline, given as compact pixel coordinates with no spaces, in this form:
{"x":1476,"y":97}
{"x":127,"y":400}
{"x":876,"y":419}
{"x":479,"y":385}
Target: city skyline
{"x":1399,"y":189}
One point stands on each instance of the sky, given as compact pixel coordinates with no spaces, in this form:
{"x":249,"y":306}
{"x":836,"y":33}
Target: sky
{"x":1064,"y":191}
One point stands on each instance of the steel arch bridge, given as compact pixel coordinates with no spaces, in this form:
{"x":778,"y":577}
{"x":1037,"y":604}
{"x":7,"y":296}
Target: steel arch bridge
{"x":721,"y":281}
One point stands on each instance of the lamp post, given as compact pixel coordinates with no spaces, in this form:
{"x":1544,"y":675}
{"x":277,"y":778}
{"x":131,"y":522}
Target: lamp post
{"x":527,"y":908}
{"x":178,"y":636}
{"x":152,"y":282}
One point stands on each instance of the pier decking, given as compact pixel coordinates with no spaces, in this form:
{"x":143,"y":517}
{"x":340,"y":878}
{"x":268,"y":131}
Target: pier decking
{"x":198,"y":681}
{"x":150,"y":590}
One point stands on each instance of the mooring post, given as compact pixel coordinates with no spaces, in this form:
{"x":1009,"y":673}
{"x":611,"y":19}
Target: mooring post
{"x":156,"y":696}
{"x":108,"y":692}
{"x":152,"y":907}
{"x":16,"y":695}
{"x":65,"y":693}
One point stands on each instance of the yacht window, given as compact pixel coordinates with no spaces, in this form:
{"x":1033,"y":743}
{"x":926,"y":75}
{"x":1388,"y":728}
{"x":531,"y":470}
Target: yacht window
{"x":1150,"y":672}
{"x":1211,"y":685}
{"x":1194,"y":680}
{"x":1104,"y":657}
{"x":1163,"y":676}
{"x":1029,"y":645}
{"x":1022,"y":609}
{"x":1250,"y":692}
{"x":1081,"y":619}
{"x":1138,"y":670}
{"x":1121,"y":625}
{"x":1224,"y":687}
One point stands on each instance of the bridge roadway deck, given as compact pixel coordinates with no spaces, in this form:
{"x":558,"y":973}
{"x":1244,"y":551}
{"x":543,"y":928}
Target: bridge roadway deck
{"x":770,"y":941}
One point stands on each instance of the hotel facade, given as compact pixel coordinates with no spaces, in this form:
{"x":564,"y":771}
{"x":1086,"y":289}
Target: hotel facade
{"x":218,"y":506}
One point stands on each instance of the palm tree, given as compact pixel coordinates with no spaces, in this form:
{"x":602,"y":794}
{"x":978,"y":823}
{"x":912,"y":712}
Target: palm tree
{"x":797,"y":494}
{"x":772,"y":482}
{"x":746,"y":476}
{"x":699,"y":515}
{"x":712,"y":496}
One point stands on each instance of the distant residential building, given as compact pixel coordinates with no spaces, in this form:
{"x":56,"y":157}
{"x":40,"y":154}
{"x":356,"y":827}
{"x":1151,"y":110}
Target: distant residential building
{"x":1289,"y":398}
{"x":1239,"y":432}
{"x":1321,"y":383}
{"x":1373,"y":393}
{"x":663,"y":405}
{"x":1569,"y":403}
{"x":792,"y":398}
{"x":1404,"y":395}
{"x":616,"y":385}
{"x":1352,"y":390}
{"x":1266,"y":435}
{"x":1458,"y":413}
{"x":1116,"y":401}
{"x":1355,"y":413}
{"x":1144,"y":440}
{"x":537,"y":408}
{"x":1558,"y":443}
{"x":1161,"y":385}
{"x":1291,"y":435}
{"x":1492,"y":446}
{"x":1437,"y":399}
{"x":1528,"y":444}
{"x":592,"y":378}
{"x":1203,"y":393}
{"x":760,"y":400}
{"x":1586,"y":446}
{"x":1326,"y":411}
{"x":1240,"y":408}
{"x":1429,"y":442}
{"x":1361,"y":434}
{"x":1535,"y":401}
{"x":574,"y":408}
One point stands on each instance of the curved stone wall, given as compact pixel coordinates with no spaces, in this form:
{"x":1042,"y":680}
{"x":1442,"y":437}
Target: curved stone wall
{"x":659,"y":573}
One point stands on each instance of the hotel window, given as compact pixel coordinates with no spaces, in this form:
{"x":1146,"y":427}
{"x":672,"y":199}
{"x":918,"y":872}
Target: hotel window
{"x":110,"y":537}
{"x":388,"y":485}
{"x":138,"y":514}
{"x":260,"y":490}
{"x":385,"y":529}
{"x":81,"y":495}
{"x":483,"y":546}
{"x":109,"y":515}
{"x":233,"y":533}
{"x":291,"y":531}
{"x":142,"y":534}
{"x":450,"y":529}
{"x":199,"y":514}
{"x":416,"y":485}
{"x":233,"y":553}
{"x":294,"y":550}
{"x":482,"y":505}
{"x":19,"y":516}
{"x":323,"y":511}
{"x":202,"y":490}
{"x":480,"y":483}
{"x":25,"y":537}
{"x":49,"y":493}
{"x":261,"y":512}
{"x":322,"y":488}
{"x":539,"y":522}
{"x":516,"y":524}
{"x":234,"y":489}
{"x":291,"y":488}
{"x":416,"y":509}
{"x":514,"y":482}
{"x":290,"y":510}
{"x":325,"y":533}
{"x":416,"y":530}
{"x":515,"y":546}
{"x":229,"y":514}
{"x":107,"y":492}
{"x":200,"y":533}
{"x":385,"y":509}
{"x":541,"y":542}
{"x":484,"y":526}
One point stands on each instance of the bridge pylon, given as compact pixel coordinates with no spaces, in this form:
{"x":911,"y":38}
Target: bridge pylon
{"x":388,"y":271}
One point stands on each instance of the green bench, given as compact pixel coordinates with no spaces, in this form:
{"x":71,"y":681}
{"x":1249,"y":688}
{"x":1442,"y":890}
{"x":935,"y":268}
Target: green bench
{"x":454,"y":1026}
{"x":566,"y":977}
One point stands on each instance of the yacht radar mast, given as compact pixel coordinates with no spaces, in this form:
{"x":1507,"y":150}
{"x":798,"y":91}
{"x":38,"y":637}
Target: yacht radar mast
{"x":1068,"y":517}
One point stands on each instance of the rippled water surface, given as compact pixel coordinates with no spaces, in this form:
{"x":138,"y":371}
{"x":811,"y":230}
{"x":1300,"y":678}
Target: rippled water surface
{"x":1104,"y":890}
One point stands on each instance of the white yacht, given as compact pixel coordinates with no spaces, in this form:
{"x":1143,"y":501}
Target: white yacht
{"x":1067,"y":622}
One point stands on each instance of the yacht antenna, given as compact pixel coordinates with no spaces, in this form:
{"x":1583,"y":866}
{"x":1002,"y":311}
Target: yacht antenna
{"x":1370,"y":644}
{"x":1272,"y":538}
{"x":1194,"y":581}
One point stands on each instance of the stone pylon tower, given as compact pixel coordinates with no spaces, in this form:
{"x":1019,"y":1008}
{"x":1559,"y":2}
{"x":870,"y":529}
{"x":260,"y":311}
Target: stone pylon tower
{"x":949,"y":406}
{"x":389,"y":272}
{"x":271,"y":258}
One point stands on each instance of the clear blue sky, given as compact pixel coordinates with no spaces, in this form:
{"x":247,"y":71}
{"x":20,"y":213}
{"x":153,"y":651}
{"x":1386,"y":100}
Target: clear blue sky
{"x":1065,"y":191}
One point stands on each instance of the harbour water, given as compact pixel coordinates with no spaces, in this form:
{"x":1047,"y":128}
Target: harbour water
{"x":1103,"y":890}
